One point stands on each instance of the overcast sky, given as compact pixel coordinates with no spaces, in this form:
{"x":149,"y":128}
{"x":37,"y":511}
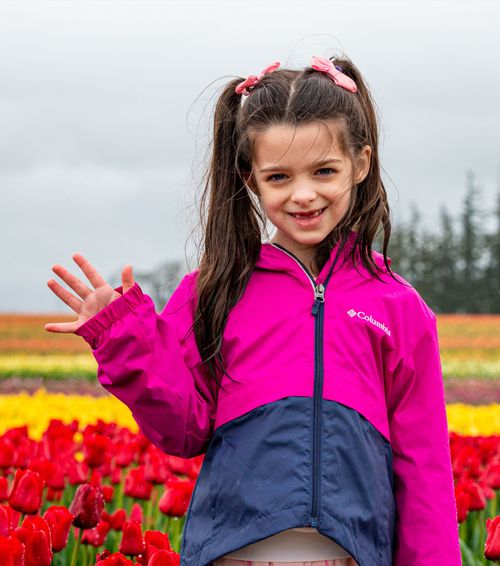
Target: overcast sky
{"x":105,"y":113}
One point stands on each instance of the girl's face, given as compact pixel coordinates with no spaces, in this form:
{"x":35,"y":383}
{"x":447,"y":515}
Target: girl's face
{"x":303,"y":169}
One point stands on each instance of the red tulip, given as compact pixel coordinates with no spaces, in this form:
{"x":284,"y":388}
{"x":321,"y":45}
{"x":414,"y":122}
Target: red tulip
{"x":155,"y":469}
{"x":136,"y":485}
{"x":107,"y":492}
{"x":77,"y":472}
{"x":136,"y":513}
{"x":175,"y":500}
{"x":7,"y":450}
{"x":4,"y":521}
{"x":478,"y":498}
{"x":115,"y":520}
{"x":124,"y":454}
{"x":463,"y":499}
{"x":87,"y":506}
{"x":12,"y":551}
{"x":59,"y":520}
{"x":37,"y":523}
{"x":95,"y":447}
{"x":132,"y":541}
{"x":492,"y":545}
{"x":38,"y":551}
{"x":57,"y":440}
{"x":26,"y":494}
{"x":164,"y":558}
{"x":494,"y":475}
{"x":115,"y":559}
{"x":52,"y":473}
{"x":116,"y":476}
{"x":54,"y":494}
{"x":158,"y":539}
{"x":22,"y":533}
{"x":97,"y":535}
{"x":154,"y":541}
{"x":4,"y":488}
{"x":9,"y":519}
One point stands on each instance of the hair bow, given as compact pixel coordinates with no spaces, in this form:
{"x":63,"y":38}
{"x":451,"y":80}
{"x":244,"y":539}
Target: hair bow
{"x":326,"y":66}
{"x":252,"y":80}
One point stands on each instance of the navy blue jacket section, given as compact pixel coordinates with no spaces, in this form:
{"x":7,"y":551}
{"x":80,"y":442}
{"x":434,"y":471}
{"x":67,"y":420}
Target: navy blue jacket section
{"x":256,"y":480}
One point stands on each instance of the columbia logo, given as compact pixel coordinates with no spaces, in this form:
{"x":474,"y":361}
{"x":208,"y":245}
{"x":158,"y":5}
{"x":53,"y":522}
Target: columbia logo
{"x":370,"y":319}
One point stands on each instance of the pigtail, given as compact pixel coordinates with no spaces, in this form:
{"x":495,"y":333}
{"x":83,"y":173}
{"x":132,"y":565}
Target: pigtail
{"x":231,"y":233}
{"x":371,"y":207}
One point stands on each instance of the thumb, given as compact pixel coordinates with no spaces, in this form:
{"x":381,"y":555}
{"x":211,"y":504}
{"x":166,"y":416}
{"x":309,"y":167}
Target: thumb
{"x":127,"y":278}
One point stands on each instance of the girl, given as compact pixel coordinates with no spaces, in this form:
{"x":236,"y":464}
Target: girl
{"x":303,"y":367}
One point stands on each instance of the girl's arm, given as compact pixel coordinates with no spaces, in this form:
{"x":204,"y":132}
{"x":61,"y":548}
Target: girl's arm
{"x":427,"y":524}
{"x":145,"y":360}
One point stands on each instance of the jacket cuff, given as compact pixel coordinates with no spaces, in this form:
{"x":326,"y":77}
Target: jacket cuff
{"x":110,"y":313}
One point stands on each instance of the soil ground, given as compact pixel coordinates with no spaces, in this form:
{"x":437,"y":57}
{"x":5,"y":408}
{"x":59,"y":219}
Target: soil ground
{"x":457,"y":390}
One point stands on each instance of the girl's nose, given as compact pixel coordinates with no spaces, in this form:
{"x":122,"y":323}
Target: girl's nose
{"x":303,"y":193}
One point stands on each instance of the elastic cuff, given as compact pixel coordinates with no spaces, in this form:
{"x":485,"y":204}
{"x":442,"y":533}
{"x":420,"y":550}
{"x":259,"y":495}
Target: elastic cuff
{"x":111,"y":313}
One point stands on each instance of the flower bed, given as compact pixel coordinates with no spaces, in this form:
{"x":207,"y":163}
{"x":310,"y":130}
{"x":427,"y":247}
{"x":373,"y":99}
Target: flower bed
{"x":96,"y":491}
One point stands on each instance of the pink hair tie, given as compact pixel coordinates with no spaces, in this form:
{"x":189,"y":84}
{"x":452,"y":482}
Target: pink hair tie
{"x":326,"y":66}
{"x":252,"y":80}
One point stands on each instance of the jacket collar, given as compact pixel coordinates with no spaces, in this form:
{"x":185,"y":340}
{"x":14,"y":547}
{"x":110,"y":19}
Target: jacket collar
{"x":274,"y":258}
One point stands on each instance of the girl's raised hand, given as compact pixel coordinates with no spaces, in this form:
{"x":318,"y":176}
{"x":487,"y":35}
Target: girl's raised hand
{"x":90,"y":301}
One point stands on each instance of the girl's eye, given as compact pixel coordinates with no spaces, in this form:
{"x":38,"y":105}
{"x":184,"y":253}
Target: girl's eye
{"x":273,"y":177}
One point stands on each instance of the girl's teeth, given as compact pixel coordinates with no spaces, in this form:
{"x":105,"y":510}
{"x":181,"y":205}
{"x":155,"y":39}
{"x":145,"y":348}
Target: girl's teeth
{"x":308,"y":215}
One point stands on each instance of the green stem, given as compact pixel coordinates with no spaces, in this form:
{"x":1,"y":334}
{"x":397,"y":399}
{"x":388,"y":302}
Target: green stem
{"x":77,"y":546}
{"x":147,"y":515}
{"x":119,"y":499}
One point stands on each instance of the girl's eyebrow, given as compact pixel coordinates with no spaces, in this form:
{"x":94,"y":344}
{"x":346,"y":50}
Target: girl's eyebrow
{"x":318,"y":164}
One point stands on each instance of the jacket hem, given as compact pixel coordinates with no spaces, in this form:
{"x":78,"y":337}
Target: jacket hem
{"x":272,"y":524}
{"x":352,"y":547}
{"x":269,"y":525}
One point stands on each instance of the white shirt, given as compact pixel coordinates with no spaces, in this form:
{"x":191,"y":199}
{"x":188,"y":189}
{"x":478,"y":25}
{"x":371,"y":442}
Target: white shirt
{"x":292,"y":545}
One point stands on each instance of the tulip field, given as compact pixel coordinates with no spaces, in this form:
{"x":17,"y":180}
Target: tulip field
{"x":81,"y":485}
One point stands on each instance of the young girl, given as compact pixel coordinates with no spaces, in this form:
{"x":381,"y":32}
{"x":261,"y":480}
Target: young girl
{"x":303,"y":367}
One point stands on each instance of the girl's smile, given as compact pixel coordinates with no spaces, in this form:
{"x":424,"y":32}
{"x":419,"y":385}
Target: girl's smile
{"x":308,"y":219}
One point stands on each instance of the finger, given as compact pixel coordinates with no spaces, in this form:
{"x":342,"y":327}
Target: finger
{"x":65,"y":296}
{"x":127,"y":278}
{"x":61,"y":326}
{"x":72,"y":280}
{"x":90,"y":271}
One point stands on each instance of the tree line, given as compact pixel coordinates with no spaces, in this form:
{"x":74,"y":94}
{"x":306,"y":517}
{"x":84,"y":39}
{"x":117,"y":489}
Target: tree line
{"x":455,"y":270}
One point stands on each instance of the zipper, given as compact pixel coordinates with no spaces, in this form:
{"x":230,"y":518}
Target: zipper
{"x":317,"y":311}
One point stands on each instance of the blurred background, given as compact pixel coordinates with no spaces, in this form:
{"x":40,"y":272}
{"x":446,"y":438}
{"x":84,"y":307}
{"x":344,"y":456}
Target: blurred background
{"x":106,"y":109}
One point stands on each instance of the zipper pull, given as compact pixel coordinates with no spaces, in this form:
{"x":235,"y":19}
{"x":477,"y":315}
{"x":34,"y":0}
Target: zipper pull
{"x":319,"y":297}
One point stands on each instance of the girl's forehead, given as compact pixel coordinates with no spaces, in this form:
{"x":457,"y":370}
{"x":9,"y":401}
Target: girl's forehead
{"x":286,"y":145}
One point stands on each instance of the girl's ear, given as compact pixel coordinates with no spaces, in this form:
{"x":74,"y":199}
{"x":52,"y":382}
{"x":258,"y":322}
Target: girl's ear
{"x":363,"y":164}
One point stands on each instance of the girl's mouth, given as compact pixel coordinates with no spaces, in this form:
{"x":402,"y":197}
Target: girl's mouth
{"x":308,"y":219}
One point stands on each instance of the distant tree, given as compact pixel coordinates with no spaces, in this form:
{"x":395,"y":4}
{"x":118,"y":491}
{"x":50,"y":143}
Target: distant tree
{"x":159,"y":283}
{"x":491,"y":276}
{"x":471,"y":242}
{"x":444,"y":265}
{"x":455,"y":270}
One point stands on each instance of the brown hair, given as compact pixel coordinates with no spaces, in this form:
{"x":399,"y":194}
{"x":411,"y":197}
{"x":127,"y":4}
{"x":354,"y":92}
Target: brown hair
{"x":233,"y":223}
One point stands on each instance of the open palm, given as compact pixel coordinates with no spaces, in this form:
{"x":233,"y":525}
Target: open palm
{"x":89,"y":301}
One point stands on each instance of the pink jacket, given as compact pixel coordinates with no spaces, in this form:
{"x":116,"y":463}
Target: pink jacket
{"x":336,"y":418}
